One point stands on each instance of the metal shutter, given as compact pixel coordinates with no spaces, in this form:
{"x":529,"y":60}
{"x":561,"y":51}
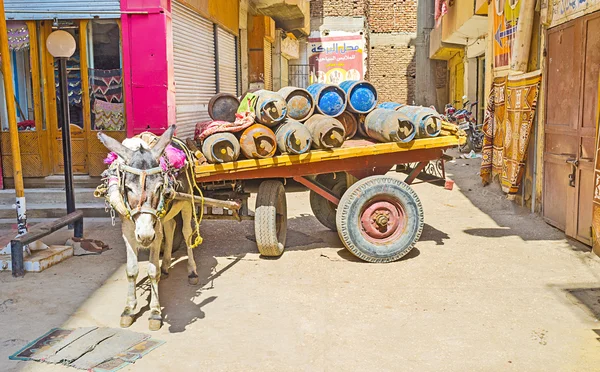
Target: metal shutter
{"x":194,"y":68}
{"x":268,"y":65}
{"x":227,"y":62}
{"x":63,"y":9}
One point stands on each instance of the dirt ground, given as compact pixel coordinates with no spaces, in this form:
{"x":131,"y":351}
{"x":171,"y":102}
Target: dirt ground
{"x":489,"y":287}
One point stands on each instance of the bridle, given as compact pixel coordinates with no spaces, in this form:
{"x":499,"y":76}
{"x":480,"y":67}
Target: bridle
{"x":140,"y":208}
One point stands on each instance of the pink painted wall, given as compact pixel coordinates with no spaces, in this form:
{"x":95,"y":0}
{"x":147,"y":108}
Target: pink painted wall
{"x":148,"y":65}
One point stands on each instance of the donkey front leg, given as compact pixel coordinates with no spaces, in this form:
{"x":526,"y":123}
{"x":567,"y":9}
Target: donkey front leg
{"x":132,"y":273}
{"x":155,"y":320}
{"x":186,"y":213}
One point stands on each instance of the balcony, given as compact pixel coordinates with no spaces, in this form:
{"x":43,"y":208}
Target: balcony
{"x":466,"y":19}
{"x":290,"y":15}
{"x":439,"y":49}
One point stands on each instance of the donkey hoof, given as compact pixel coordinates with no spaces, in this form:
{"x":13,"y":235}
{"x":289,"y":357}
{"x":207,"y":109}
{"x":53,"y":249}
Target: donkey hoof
{"x":126,"y":319}
{"x":164,"y":274}
{"x":154,"y":322}
{"x":193,"y":279}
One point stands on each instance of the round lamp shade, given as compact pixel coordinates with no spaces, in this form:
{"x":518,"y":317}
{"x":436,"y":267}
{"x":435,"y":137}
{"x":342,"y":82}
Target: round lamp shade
{"x":61,"y":44}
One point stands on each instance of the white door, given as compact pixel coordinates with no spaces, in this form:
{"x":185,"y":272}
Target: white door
{"x":194,"y":68}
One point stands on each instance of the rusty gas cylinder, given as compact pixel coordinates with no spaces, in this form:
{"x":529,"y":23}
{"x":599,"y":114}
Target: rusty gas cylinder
{"x":326,"y":132}
{"x":270,"y":107}
{"x":360,"y":124}
{"x":293,"y":137}
{"x":258,"y":142}
{"x":300,"y":104}
{"x":223,"y":106}
{"x":349,"y":122}
{"x":389,"y":126}
{"x":221,"y":148}
{"x":427,"y":120}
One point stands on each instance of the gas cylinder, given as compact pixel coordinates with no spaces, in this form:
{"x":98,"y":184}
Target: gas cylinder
{"x":361,"y":96}
{"x":258,"y":142}
{"x":270,"y":108}
{"x":427,"y":120}
{"x":360,"y":124}
{"x":327,"y":132}
{"x":349,"y":122}
{"x":390,"y":105}
{"x":221,"y":148}
{"x":293,"y":137}
{"x":223,"y":106}
{"x":389,"y":126}
{"x":330,"y":99}
{"x":300,"y":103}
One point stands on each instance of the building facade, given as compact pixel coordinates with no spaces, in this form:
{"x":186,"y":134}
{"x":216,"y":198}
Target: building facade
{"x":365,"y":39}
{"x":139,"y":65}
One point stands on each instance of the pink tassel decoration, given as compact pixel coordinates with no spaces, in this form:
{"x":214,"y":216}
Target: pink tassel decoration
{"x":110,"y":158}
{"x":175,"y":157}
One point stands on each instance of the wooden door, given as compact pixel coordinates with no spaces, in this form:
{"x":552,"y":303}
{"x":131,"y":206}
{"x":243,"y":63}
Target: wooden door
{"x":79,"y":114}
{"x":571,"y":96}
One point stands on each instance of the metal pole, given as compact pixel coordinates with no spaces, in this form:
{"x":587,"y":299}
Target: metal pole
{"x":66,"y":133}
{"x":9,"y":93}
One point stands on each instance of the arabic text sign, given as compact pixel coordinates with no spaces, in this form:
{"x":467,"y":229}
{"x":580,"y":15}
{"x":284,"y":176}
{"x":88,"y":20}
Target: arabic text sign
{"x":565,"y":10}
{"x":337,"y":58}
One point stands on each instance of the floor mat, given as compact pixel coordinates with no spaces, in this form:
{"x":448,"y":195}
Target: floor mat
{"x":98,"y":349}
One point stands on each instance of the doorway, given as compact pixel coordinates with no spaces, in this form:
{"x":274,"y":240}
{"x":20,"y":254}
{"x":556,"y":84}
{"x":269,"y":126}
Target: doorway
{"x":570,"y":127}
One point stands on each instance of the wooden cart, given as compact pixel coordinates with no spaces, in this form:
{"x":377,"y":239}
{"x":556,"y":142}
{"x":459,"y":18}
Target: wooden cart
{"x":378,"y":218}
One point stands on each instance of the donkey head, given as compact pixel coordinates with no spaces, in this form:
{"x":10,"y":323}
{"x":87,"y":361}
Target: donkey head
{"x":143,"y":185}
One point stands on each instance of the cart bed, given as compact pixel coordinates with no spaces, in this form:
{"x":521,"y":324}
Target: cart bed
{"x":355,"y":155}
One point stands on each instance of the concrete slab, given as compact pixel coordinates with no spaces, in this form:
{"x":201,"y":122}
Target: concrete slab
{"x":39,"y":261}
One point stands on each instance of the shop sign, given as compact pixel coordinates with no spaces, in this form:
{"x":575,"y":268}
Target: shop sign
{"x":334,"y":59}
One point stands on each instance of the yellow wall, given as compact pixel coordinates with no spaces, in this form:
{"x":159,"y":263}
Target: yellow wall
{"x":225,"y":13}
{"x":457,"y":15}
{"x":456,"y":70}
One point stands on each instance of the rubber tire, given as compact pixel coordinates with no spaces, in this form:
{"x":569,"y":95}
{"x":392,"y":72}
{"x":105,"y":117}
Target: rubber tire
{"x":323,"y":209}
{"x":270,"y":202}
{"x":352,"y":204}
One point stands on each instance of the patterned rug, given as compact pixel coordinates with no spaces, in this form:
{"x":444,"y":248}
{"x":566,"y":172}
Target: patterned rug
{"x":507,"y":129}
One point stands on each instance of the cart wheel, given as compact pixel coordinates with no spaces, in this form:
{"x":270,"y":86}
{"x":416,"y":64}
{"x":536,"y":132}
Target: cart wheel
{"x":379,"y":219}
{"x":323,"y":209}
{"x":270,"y":218}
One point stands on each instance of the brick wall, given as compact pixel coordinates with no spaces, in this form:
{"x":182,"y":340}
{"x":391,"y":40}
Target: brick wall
{"x":337,"y":8}
{"x":392,"y":16}
{"x":392,"y":70}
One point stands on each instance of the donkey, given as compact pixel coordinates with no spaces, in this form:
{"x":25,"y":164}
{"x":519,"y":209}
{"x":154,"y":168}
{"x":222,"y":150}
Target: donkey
{"x":142,"y":226}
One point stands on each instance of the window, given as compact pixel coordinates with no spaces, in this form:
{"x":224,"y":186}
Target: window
{"x":73,"y":79}
{"x":18,"y":36}
{"x":105,"y":74}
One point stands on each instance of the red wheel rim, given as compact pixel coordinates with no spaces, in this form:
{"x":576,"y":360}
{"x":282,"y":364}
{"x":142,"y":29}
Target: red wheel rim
{"x":382,"y":220}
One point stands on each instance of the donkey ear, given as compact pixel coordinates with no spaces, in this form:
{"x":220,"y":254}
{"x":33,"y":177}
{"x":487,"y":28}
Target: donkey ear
{"x":163,"y":142}
{"x":116,"y":147}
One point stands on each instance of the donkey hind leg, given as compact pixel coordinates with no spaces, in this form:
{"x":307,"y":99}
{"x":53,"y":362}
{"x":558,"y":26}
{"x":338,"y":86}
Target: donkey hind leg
{"x":155,"y":320}
{"x":186,"y":213}
{"x":132,"y":269}
{"x":169,"y":230}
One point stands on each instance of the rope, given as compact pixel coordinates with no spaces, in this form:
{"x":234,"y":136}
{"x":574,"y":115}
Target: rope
{"x":189,"y":171}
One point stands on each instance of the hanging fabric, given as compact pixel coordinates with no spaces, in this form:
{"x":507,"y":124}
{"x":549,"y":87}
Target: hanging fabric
{"x":109,"y":116}
{"x":515,"y":100}
{"x":106,"y":85}
{"x":18,"y":35}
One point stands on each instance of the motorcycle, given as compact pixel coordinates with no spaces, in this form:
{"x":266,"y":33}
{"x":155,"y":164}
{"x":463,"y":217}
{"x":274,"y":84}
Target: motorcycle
{"x":466,"y":121}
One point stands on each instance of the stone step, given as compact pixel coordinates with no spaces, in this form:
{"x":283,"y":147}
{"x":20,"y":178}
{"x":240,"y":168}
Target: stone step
{"x":50,"y":196}
{"x":53,"y":210}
